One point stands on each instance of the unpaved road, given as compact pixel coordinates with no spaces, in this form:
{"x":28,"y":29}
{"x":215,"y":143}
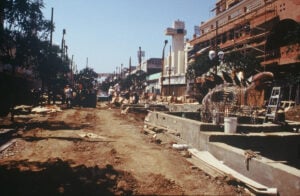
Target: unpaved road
{"x":98,"y":151}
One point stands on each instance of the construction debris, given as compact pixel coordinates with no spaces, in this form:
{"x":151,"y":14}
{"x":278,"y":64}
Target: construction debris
{"x":46,"y":109}
{"x":91,"y":136}
{"x":180,"y":146}
{"x":22,"y":109}
{"x":217,"y":165}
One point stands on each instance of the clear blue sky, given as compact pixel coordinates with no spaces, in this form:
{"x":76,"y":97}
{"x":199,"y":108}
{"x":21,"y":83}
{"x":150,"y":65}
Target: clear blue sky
{"x":109,"y":32}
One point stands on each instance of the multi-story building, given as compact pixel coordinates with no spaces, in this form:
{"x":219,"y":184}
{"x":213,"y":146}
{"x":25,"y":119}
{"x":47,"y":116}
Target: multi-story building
{"x":263,"y":26}
{"x":175,"y":64}
{"x":151,"y":66}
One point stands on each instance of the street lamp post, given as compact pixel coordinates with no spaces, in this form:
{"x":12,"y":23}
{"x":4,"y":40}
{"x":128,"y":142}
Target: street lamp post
{"x":162,"y":68}
{"x":63,"y":44}
{"x":140,"y":55}
{"x":169,"y":70}
{"x":169,"y":86}
{"x":121,"y":71}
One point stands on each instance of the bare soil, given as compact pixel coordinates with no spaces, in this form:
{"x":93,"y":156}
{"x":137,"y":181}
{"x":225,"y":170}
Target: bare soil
{"x":98,"y":151}
{"x":293,"y":114}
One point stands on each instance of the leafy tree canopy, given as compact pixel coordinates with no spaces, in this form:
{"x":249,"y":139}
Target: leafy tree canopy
{"x":234,"y":60}
{"x":243,"y":61}
{"x":23,"y":31}
{"x":86,"y":77}
{"x":201,"y":65}
{"x":138,"y":80}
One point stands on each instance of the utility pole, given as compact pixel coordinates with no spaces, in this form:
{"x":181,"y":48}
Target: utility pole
{"x":48,"y":56}
{"x":66,"y":53}
{"x":63,"y":44}
{"x":169,"y":72}
{"x":162,"y":68}
{"x":140,"y":58}
{"x":51,"y":31}
{"x":140,"y":55}
{"x":72,"y":73}
{"x":121,"y":70}
{"x":130,"y":66}
{"x":216,"y":45}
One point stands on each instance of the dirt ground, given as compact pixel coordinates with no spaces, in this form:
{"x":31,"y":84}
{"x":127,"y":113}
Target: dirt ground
{"x":293,"y":114}
{"x":98,"y":151}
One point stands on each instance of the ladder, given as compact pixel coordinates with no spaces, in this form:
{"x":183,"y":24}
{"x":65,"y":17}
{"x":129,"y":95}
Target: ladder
{"x":273,"y":105}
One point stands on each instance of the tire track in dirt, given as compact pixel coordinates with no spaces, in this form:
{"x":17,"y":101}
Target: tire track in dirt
{"x":157,"y":168}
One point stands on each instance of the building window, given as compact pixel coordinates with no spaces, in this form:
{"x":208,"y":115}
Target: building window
{"x":224,"y":38}
{"x":231,"y":34}
{"x":180,"y":31}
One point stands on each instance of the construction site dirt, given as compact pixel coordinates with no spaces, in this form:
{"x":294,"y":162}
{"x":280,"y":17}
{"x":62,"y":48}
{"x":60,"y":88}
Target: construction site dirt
{"x":98,"y":151}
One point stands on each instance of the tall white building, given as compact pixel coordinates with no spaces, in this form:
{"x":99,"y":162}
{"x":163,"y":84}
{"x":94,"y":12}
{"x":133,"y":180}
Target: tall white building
{"x":175,"y":63}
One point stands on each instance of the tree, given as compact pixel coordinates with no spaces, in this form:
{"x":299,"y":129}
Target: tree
{"x":138,"y":80}
{"x":127,"y":82}
{"x":22,"y":31}
{"x":23,"y":42}
{"x":235,"y":61}
{"x":201,"y":65}
{"x":242,"y":61}
{"x":87,"y":77}
{"x":52,"y":70}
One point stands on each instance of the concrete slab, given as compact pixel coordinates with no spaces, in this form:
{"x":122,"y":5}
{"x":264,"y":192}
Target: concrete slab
{"x":266,"y":171}
{"x":279,"y":149}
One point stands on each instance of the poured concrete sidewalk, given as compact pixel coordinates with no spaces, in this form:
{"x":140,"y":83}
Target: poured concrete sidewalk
{"x":278,"y":153}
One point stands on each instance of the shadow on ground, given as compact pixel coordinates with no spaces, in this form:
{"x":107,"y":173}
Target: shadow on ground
{"x":58,"y":177}
{"x":49,"y":125}
{"x":14,"y":127}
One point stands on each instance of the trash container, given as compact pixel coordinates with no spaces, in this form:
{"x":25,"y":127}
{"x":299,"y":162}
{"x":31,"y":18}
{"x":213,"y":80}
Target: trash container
{"x":230,"y":124}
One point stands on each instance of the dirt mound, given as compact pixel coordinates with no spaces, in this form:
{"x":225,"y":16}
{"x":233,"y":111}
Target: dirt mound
{"x":293,"y":114}
{"x":160,"y":185}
